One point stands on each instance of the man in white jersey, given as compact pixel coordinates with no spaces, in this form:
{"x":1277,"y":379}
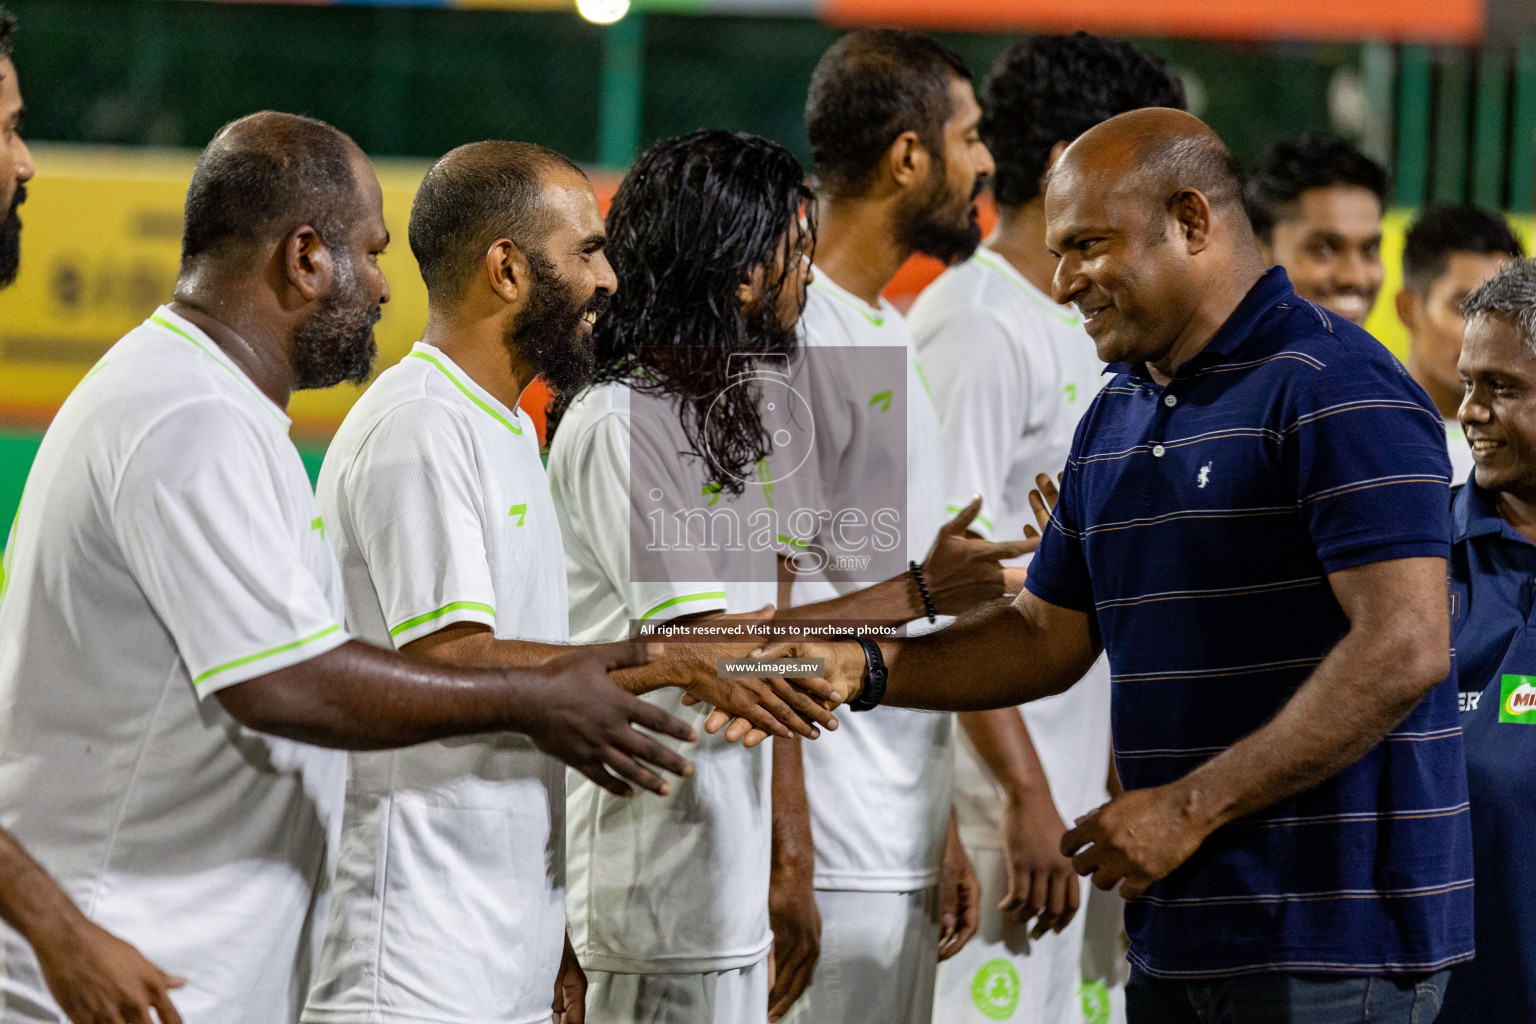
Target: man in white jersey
{"x":1012,"y":372}
{"x":441,"y":517}
{"x":892,"y":121}
{"x":172,"y":654}
{"x":93,"y":974}
{"x":1449,"y":253}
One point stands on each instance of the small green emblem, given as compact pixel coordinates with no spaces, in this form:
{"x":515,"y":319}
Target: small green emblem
{"x":712,"y":492}
{"x":1095,"y":998}
{"x":318,"y":523}
{"x":1517,"y":700}
{"x":1071,"y":393}
{"x":520,"y":511}
{"x":883,"y":400}
{"x":995,"y":989}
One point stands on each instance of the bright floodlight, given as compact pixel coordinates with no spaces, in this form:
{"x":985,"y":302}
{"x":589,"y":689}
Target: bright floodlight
{"x":603,"y":12}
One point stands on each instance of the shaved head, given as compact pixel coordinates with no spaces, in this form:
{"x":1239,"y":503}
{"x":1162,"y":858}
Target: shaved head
{"x":265,"y":175}
{"x":1144,"y":213}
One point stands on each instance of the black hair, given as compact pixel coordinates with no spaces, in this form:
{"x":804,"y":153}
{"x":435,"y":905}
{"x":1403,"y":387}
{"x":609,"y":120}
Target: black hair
{"x":1443,"y":230}
{"x":7,"y":29}
{"x":264,"y":175}
{"x":867,"y":89}
{"x":693,"y":218}
{"x":1510,"y":293}
{"x":1049,"y":89}
{"x":1310,"y":160}
{"x":473,"y":196}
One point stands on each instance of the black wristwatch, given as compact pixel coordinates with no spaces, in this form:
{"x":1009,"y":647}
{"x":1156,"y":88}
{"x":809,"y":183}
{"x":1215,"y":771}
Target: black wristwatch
{"x":875,"y":673}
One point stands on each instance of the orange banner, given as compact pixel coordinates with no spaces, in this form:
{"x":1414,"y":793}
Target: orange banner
{"x":1413,"y":20}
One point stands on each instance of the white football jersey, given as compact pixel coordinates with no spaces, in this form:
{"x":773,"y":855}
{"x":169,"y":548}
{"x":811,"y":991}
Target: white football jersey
{"x":167,"y":547}
{"x":879,"y":787}
{"x":1012,"y":373}
{"x":675,"y":884}
{"x":450,"y":901}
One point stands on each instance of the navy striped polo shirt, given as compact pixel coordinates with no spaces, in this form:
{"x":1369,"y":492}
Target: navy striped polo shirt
{"x":1198,"y":523}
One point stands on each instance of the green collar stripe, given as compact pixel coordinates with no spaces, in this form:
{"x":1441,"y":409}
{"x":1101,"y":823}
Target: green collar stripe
{"x":1070,"y":319}
{"x":713,"y":595}
{"x":878,"y":319}
{"x":492,"y":413}
{"x":456,"y":606}
{"x":244,"y":382}
{"x":301,"y":642}
{"x":955,"y":510}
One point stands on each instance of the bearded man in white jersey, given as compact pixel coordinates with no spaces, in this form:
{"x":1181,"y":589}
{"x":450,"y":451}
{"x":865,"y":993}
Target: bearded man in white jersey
{"x":1012,"y":371}
{"x":172,"y":655}
{"x":892,"y":119}
{"x":441,"y":517}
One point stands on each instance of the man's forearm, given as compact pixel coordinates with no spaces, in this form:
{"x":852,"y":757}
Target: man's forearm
{"x":893,"y":601}
{"x":1333,"y":719}
{"x":1002,"y":742}
{"x":793,"y":847}
{"x":30,"y":901}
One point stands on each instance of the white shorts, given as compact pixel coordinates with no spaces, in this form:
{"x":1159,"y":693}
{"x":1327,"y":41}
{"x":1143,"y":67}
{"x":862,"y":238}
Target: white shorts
{"x":1001,"y":975}
{"x":714,"y":997}
{"x":878,"y":954}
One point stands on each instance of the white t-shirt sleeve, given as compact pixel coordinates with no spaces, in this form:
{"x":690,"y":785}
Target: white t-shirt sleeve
{"x":603,"y":488}
{"x":982,"y":413}
{"x":200,"y":519}
{"x":415,"y":505}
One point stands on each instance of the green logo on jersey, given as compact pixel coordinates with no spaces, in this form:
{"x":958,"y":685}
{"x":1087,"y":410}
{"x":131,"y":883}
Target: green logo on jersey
{"x":1094,"y":995}
{"x":1071,"y":392}
{"x":995,"y":989}
{"x":712,"y":492}
{"x":318,"y":524}
{"x":883,"y":400}
{"x":520,"y":511}
{"x":1517,"y":700}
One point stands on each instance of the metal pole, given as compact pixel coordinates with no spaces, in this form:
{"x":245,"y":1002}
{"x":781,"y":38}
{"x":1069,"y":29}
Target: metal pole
{"x":618,"y":123}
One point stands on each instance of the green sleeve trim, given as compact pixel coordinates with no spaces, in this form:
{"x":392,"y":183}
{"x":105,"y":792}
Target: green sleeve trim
{"x":713,"y":595}
{"x":492,"y":413}
{"x":327,"y":631}
{"x":955,"y":510}
{"x":456,"y":606}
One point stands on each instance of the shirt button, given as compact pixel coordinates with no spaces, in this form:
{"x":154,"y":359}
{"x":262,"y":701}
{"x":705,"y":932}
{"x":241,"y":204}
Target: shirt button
{"x":1157,"y":451}
{"x":1170,"y":401}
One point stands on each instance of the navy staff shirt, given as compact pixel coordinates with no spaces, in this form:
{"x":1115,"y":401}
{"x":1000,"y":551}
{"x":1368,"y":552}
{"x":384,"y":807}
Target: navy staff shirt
{"x":1493,"y":628}
{"x":1198,"y":523}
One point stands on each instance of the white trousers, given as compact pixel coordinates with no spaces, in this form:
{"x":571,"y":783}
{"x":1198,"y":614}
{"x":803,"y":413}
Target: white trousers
{"x":1001,"y":975}
{"x":878,"y":955}
{"x":714,"y":997}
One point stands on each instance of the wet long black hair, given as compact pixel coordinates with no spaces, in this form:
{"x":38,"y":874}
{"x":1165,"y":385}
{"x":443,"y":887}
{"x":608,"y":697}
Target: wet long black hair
{"x":693,"y":219}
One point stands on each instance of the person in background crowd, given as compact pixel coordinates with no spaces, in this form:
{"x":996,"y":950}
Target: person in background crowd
{"x":1012,"y":373}
{"x":1449,"y":253}
{"x":1233,"y":473}
{"x":94,"y":976}
{"x":1316,"y":204}
{"x":1493,"y":624}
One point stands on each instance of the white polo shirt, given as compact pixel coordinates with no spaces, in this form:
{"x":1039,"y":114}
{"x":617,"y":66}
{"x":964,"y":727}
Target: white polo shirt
{"x":450,"y":902}
{"x":168,"y":547}
{"x":878,"y":787}
{"x":676,"y":884}
{"x":1012,"y":373}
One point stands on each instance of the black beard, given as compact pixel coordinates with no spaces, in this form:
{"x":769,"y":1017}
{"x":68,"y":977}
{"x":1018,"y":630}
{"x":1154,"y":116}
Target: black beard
{"x":336,"y":342}
{"x":547,"y":334}
{"x":931,"y":227}
{"x":10,"y":238}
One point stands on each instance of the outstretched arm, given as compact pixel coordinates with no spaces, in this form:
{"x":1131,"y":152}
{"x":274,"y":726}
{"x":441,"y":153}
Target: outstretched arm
{"x":94,"y":975}
{"x":1396,"y":651}
{"x":359,"y":697}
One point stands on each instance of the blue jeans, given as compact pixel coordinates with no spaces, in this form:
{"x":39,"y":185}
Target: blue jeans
{"x":1284,"y":999}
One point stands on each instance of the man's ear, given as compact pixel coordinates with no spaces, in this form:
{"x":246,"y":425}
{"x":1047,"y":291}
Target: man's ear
{"x":308,"y":263}
{"x":1408,"y":307}
{"x":907,"y":160}
{"x":507,"y":271}
{"x":1050,"y":161}
{"x":1191,"y":212}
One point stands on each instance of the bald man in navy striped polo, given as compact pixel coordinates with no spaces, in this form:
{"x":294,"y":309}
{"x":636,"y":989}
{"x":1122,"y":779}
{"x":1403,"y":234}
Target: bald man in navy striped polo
{"x":1253,"y":523}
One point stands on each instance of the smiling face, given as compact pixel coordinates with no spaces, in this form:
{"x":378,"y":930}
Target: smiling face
{"x":1122,"y":261}
{"x":1499,"y":410}
{"x":1330,"y":246}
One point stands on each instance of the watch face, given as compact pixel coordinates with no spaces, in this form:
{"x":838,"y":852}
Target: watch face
{"x":786,"y":417}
